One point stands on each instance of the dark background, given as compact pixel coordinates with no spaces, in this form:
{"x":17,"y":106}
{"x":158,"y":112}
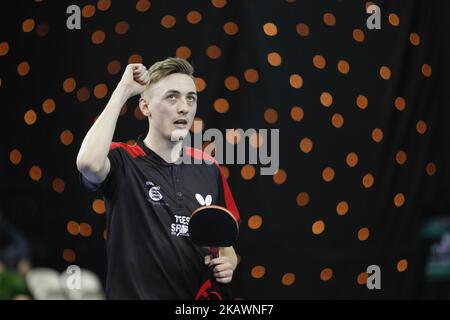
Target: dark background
{"x":330,"y":264}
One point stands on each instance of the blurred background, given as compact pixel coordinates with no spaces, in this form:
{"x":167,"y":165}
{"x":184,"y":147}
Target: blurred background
{"x":364,"y":137}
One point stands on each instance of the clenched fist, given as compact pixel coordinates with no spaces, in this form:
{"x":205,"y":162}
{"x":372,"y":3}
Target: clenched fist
{"x":134,"y":80}
{"x":223,"y":268}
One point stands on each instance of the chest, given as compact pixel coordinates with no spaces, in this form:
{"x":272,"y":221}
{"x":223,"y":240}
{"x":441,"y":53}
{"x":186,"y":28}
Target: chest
{"x":179,"y":188}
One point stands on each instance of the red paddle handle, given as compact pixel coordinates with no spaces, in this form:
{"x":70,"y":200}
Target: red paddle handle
{"x":214,"y":252}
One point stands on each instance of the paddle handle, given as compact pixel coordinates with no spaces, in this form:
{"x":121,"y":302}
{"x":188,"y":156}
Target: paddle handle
{"x":214,"y":252}
{"x":225,"y":288}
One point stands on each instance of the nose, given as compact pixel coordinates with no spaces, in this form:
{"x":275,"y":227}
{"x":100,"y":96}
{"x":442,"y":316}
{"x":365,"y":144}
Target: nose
{"x":183,"y":107}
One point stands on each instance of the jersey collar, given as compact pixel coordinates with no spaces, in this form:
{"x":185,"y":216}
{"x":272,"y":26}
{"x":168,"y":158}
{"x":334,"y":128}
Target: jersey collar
{"x":152,"y":155}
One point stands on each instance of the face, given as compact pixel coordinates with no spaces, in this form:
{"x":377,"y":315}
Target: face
{"x":171,"y":106}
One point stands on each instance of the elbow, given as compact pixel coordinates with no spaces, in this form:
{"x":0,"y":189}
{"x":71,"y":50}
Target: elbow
{"x":82,"y":165}
{"x":85,"y":165}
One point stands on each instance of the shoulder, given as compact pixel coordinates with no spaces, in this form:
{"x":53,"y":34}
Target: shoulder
{"x":203,"y":160}
{"x":132,"y":150}
{"x":200,"y":155}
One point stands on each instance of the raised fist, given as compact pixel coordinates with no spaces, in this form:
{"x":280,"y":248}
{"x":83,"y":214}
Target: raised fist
{"x":134,"y":79}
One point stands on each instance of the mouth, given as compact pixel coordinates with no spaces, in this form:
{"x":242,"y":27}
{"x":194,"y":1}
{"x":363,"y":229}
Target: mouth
{"x":180,"y":123}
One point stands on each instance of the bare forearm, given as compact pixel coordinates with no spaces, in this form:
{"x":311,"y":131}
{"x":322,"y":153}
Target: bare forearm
{"x":95,"y":146}
{"x":92,"y":160}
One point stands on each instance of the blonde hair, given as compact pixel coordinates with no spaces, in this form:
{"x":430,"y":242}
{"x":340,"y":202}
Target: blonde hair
{"x":171,"y":65}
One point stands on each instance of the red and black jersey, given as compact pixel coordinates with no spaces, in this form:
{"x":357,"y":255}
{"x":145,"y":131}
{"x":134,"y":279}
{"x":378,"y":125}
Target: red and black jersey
{"x":148,"y":205}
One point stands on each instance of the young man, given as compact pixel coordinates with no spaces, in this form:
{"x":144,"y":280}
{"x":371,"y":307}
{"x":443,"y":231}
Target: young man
{"x":148,"y":196}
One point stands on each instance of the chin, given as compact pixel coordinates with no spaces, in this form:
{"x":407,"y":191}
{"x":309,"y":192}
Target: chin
{"x":179,"y":134}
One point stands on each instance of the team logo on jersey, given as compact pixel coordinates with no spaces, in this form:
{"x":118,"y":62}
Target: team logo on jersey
{"x":181,"y":226}
{"x":203,"y":202}
{"x":154,"y":193}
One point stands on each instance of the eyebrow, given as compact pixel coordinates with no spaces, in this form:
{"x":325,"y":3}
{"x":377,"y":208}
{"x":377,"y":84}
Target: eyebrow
{"x":178,"y":92}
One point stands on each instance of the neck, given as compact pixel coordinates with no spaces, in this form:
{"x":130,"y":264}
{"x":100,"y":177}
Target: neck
{"x":165,"y":148}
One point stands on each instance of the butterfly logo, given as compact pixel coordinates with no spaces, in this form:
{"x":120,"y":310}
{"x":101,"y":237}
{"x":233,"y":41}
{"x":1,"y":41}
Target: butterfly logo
{"x":203,"y":202}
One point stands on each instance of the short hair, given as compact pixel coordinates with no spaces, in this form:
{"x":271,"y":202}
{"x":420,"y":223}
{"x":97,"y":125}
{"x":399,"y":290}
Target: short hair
{"x":171,"y":65}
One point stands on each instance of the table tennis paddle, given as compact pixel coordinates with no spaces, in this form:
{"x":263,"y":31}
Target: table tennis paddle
{"x":213,"y":226}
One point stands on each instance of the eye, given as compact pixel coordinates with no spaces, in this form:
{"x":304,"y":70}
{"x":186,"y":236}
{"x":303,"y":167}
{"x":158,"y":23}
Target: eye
{"x":191,"y":99}
{"x":171,"y":97}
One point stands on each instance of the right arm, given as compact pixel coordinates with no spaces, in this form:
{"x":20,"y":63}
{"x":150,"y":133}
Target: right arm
{"x":92,"y":159}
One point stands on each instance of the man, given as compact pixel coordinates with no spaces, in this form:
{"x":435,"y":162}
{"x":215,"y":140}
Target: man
{"x":148,"y":196}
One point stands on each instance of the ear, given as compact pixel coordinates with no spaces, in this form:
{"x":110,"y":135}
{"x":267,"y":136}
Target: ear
{"x":144,"y":106}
